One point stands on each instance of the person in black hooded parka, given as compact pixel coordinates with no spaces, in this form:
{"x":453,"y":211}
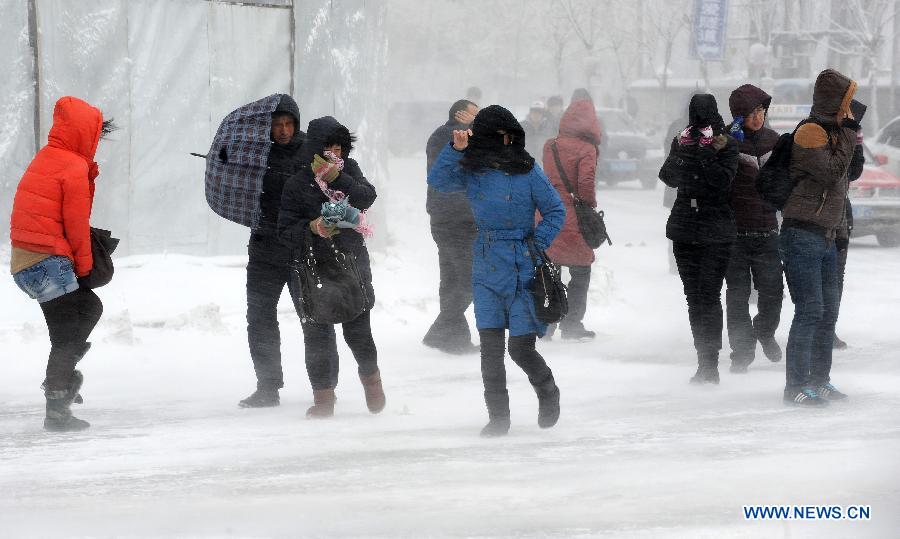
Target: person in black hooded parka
{"x":301,"y":211}
{"x":702,"y":163}
{"x":268,"y":264}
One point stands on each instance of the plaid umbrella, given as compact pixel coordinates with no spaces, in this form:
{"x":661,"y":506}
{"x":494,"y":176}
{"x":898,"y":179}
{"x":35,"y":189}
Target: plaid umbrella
{"x":238,"y":160}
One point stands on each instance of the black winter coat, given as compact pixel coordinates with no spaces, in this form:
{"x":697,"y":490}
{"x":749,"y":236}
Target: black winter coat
{"x":751,"y":212}
{"x":302,"y":202}
{"x":284,"y":162}
{"x":702,"y":211}
{"x":446,"y":209}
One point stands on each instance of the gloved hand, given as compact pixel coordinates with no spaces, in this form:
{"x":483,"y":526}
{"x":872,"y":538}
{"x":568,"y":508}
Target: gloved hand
{"x":719,"y":142}
{"x":325,"y":170}
{"x":320,"y":228}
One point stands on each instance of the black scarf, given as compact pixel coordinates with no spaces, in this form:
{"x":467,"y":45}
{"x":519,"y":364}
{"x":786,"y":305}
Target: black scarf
{"x":486,"y":149}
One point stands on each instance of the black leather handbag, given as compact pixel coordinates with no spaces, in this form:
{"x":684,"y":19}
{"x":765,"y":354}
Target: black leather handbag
{"x":590,"y":222}
{"x":550,"y":302}
{"x":327,"y":289}
{"x":102,"y":247}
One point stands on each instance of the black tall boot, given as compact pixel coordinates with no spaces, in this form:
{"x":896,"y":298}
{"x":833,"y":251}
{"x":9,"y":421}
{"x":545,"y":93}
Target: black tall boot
{"x":548,"y":403}
{"x":498,"y":412}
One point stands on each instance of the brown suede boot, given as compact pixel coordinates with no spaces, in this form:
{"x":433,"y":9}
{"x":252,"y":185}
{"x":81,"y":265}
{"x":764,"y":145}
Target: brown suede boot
{"x":375,"y":399}
{"x":324,"y":404}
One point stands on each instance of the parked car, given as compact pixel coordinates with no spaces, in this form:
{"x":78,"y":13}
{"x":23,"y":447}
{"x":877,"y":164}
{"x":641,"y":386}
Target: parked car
{"x":875,"y":198}
{"x":626,"y":152}
{"x":886,"y":148}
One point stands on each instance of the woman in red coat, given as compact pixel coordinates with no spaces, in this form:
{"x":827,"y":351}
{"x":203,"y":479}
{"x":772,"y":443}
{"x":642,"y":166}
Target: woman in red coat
{"x":51,"y":248}
{"x":576,"y":146}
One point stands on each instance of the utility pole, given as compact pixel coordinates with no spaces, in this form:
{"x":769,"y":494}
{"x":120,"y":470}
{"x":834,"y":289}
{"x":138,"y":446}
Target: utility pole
{"x":895,"y":58}
{"x":36,"y":69}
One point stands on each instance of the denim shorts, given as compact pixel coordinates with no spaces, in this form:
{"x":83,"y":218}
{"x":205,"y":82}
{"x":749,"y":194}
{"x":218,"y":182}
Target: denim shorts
{"x":48,"y":279}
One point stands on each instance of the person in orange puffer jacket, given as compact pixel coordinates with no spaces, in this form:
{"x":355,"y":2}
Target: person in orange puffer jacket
{"x":51,"y":248}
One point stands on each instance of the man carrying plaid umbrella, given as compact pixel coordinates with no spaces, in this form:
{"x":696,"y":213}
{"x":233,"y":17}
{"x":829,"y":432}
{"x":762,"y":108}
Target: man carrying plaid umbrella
{"x":254,"y":152}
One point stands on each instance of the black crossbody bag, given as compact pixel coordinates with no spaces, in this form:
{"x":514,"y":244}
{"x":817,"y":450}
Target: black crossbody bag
{"x":590,"y":222}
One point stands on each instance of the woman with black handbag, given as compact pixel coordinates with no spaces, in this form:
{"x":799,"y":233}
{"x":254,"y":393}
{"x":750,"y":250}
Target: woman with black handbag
{"x":570,"y":161}
{"x":505,"y":188}
{"x":52,"y":259}
{"x":333,"y":276}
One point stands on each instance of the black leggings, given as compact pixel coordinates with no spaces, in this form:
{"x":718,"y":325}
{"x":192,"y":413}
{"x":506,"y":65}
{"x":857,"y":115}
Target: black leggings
{"x":70,"y":320}
{"x":321,"y":350}
{"x":522,"y":352}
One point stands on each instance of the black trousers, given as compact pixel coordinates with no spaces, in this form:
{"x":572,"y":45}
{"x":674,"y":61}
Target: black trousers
{"x":579,"y":282}
{"x":493,"y":368}
{"x":454,"y":243}
{"x":70,"y":320}
{"x":322,"y":364}
{"x":268,"y":270}
{"x":756,"y":260}
{"x":702,"y":270}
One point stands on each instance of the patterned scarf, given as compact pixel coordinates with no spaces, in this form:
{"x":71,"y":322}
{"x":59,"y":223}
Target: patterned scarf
{"x":338,"y":211}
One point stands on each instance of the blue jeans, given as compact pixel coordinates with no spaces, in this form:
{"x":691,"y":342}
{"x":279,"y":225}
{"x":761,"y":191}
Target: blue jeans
{"x":810,"y":268}
{"x":48,"y":279}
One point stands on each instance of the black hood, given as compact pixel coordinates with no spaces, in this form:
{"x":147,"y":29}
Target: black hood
{"x":704,"y":111}
{"x":319,"y":131}
{"x":288,"y":105}
{"x":486,"y":148}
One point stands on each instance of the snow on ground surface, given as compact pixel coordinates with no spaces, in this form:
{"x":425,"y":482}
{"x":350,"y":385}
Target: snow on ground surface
{"x":637,"y":453}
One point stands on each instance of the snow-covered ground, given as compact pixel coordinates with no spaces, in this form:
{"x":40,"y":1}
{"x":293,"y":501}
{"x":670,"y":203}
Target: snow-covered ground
{"x":637,"y":453}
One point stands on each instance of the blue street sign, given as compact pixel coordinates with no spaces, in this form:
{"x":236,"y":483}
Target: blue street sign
{"x":709,"y":23}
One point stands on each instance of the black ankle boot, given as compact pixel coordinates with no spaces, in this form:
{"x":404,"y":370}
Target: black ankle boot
{"x":707,"y":368}
{"x":498,"y":412}
{"x":548,"y":403}
{"x":59,"y":416}
{"x":261,"y":398}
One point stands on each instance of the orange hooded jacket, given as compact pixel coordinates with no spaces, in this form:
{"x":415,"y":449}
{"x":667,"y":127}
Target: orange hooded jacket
{"x":52,"y":208}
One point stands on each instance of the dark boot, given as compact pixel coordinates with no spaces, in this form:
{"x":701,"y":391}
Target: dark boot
{"x":575,"y":332}
{"x":707,"y":368}
{"x":324,"y":404}
{"x":548,"y":403}
{"x":261,"y":398}
{"x":838,"y":343}
{"x":498,"y":412}
{"x":771,"y":349}
{"x":375,"y":399}
{"x":75,"y":387}
{"x":59,"y":416}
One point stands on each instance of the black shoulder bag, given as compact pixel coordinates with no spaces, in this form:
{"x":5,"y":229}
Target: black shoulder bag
{"x":590,"y":222}
{"x":102,"y":247}
{"x":550,"y":302}
{"x":327,"y":289}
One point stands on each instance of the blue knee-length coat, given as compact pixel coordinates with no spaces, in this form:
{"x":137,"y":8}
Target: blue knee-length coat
{"x":502,"y":267}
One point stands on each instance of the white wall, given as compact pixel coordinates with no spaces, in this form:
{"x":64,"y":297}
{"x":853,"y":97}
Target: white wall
{"x":168,"y":72}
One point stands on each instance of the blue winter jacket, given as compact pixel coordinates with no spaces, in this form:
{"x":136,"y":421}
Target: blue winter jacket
{"x":502,"y":267}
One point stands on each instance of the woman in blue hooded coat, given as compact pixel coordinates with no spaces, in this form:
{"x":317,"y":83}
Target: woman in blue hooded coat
{"x":505,"y":188}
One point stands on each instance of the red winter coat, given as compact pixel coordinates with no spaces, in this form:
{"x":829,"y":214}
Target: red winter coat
{"x":579,"y":136}
{"x":52,"y":208}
